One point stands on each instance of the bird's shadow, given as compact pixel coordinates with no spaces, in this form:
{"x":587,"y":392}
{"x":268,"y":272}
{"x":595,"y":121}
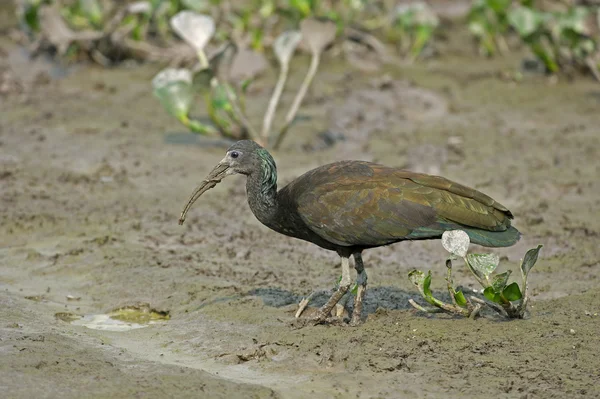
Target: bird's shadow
{"x":390,"y":298}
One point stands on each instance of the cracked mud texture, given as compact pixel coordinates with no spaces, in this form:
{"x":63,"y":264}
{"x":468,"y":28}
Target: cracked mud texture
{"x":91,"y":189}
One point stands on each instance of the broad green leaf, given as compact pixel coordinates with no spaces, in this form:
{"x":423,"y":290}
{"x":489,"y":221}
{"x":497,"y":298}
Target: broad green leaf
{"x":456,"y":242}
{"x":460,"y":299}
{"x":196,"y":29}
{"x":499,"y":281}
{"x":427,"y":284}
{"x":491,"y":295}
{"x":525,"y":21}
{"x":512,"y":292}
{"x":173,"y":88}
{"x":422,"y":282}
{"x":354,"y":290}
{"x":485,"y":264}
{"x":575,"y":20}
{"x":529,"y":260}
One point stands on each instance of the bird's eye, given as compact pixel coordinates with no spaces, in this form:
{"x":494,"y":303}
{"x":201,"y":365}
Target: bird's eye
{"x":234,"y":154}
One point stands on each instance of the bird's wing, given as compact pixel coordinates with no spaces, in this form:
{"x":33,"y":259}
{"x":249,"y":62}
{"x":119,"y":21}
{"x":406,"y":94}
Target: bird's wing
{"x":360,"y":203}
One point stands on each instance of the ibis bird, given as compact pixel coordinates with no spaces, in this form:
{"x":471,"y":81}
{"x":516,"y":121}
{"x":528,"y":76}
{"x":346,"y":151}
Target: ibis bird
{"x":351,"y":206}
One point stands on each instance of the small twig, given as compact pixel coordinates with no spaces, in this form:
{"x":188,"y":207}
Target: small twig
{"x":303,"y":304}
{"x":494,"y":306}
{"x":475,"y":311}
{"x":422,"y":309}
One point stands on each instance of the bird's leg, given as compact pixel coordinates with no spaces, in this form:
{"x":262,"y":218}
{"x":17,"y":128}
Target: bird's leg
{"x":345,"y":282}
{"x":361,"y":282}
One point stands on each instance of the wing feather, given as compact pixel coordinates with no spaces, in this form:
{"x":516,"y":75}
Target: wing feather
{"x":361,"y":203}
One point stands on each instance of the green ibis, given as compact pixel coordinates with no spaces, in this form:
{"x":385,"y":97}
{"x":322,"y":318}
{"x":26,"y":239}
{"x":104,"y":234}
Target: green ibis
{"x":350,"y":206}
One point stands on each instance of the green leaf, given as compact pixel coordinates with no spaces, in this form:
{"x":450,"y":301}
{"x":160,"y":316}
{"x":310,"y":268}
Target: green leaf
{"x":483,"y":264}
{"x":201,"y":79}
{"x":427,"y":284}
{"x":491,"y":295}
{"x":499,"y":281}
{"x":512,"y":292}
{"x":499,"y":6}
{"x":525,"y":21}
{"x":460,"y":299}
{"x":529,"y":260}
{"x":173,"y":88}
{"x":422,"y":282}
{"x":354,"y":290}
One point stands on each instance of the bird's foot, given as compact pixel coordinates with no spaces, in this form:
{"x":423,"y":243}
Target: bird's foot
{"x":358,"y":302}
{"x":323,"y":315}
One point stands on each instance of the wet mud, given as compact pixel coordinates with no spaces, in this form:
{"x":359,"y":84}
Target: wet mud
{"x":93,"y":175}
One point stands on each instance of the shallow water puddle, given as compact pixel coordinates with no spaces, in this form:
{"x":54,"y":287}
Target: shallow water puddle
{"x":122,"y":319}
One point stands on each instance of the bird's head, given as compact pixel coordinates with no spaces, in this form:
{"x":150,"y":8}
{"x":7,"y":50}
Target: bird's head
{"x":243,"y":157}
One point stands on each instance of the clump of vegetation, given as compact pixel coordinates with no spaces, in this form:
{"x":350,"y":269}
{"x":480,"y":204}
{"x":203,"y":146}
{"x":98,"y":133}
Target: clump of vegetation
{"x":488,"y":22}
{"x":561,"y":40}
{"x":412,"y":28}
{"x":224,"y":99}
{"x":509,"y":300}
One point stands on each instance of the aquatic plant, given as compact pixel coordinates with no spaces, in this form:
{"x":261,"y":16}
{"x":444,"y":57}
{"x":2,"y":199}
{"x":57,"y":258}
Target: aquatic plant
{"x":413,"y":27}
{"x":488,"y":22}
{"x":509,"y":300}
{"x":318,"y":34}
{"x":560,"y":40}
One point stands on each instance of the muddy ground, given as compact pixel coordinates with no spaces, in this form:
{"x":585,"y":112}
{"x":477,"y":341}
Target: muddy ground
{"x":93,"y":177}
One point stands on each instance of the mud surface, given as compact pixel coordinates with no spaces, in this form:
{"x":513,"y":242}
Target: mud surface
{"x":92,"y":182}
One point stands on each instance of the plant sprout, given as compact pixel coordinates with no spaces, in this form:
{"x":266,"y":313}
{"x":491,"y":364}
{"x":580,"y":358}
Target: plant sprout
{"x":318,"y":35}
{"x":500,"y":295}
{"x":173,"y":88}
{"x":284,"y":47}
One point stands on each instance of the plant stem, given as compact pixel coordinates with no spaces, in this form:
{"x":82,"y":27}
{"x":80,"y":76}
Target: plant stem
{"x":312,"y":71}
{"x":203,"y":59}
{"x":422,"y":309}
{"x":449,"y":282}
{"x":273,"y":102}
{"x":240,"y":114}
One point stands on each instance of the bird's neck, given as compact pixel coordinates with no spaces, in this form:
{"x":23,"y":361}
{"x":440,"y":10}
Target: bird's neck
{"x":261,"y":189}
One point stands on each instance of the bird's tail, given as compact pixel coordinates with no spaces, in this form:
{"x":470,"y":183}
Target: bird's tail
{"x":486,"y":238}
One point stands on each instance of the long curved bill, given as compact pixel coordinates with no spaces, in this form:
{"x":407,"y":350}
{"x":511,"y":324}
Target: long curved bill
{"x":215,"y":176}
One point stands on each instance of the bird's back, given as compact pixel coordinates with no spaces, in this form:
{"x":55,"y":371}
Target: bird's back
{"x":357,"y":203}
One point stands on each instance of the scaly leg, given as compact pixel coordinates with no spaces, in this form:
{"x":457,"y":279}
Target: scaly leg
{"x":325,"y":310}
{"x":361,"y":282}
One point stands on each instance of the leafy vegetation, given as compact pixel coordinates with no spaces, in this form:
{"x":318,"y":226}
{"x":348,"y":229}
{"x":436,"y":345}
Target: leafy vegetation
{"x":562,"y":40}
{"x":509,"y":300}
{"x":106,"y":31}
